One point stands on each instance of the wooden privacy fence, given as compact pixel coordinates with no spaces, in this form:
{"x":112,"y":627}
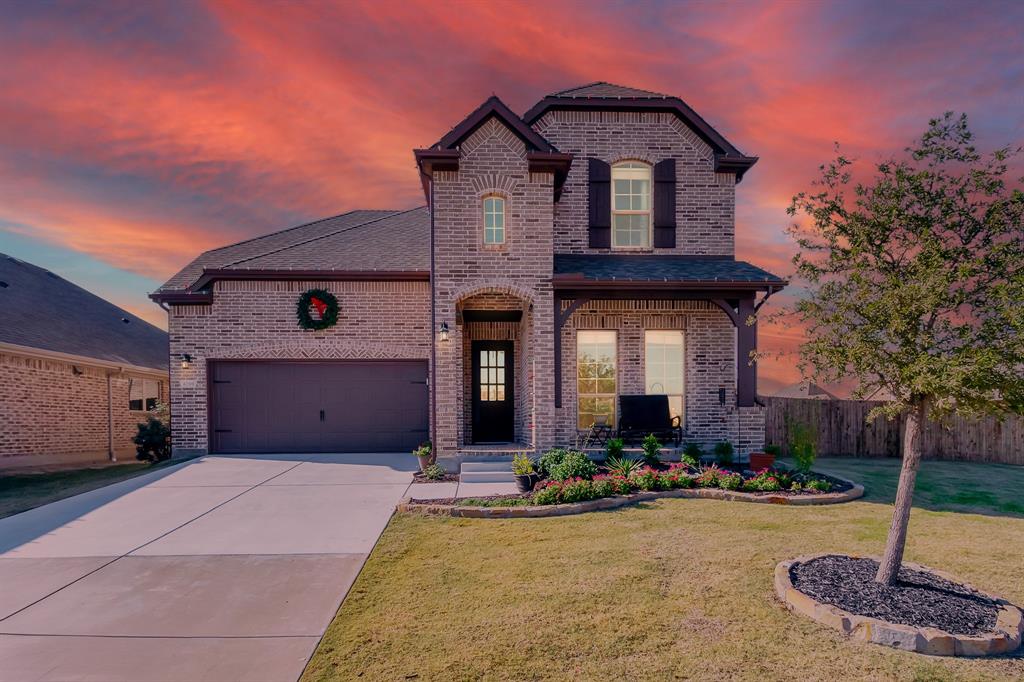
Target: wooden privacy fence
{"x":842,"y":431}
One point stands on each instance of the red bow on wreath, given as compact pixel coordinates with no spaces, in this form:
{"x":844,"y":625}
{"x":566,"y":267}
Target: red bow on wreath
{"x":320,"y":306}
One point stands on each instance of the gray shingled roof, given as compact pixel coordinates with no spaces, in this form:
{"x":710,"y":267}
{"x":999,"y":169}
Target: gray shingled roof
{"x":42,"y":310}
{"x":647,"y":268}
{"x":381,"y":241}
{"x":603,"y":90}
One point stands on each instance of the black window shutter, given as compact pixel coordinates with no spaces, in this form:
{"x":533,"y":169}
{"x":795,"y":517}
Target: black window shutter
{"x":665,"y":204}
{"x":600,"y":232}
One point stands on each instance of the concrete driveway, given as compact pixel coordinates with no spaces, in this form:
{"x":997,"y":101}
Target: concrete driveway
{"x":220,"y":568}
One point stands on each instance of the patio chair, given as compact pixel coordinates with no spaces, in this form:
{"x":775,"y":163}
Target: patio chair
{"x":640,"y":415}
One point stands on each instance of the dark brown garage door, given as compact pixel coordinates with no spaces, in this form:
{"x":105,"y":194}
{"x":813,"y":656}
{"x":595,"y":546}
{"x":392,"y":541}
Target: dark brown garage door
{"x":343,"y":406}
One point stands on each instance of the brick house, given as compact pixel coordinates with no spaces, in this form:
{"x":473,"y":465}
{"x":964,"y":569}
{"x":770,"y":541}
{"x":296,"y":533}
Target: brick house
{"x":577,"y":253}
{"x":77,"y":373}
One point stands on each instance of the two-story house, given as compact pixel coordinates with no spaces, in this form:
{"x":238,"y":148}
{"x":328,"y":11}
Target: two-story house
{"x":577,"y":253}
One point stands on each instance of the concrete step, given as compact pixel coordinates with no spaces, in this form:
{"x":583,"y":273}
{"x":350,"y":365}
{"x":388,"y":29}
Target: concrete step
{"x":487,"y":477}
{"x":487,"y":465}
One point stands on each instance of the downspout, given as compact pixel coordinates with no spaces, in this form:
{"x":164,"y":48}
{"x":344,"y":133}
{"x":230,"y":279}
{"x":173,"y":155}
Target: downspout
{"x":110,"y":422}
{"x":432,"y":376}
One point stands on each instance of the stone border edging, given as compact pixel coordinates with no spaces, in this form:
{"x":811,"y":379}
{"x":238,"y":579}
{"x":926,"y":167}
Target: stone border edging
{"x":1005,"y":638}
{"x":537,"y":511}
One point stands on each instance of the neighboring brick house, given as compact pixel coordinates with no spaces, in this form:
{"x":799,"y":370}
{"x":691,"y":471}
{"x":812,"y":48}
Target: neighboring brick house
{"x":77,"y":373}
{"x":581,"y":252}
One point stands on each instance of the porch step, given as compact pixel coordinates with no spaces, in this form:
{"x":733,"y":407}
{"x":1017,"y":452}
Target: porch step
{"x":492,"y":471}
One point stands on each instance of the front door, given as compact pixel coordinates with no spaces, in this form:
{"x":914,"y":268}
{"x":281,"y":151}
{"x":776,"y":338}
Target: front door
{"x":493,"y":412}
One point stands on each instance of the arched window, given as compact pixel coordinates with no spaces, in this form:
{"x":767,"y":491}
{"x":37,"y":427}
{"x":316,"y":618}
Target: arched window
{"x":494,"y":220}
{"x":631,"y":205}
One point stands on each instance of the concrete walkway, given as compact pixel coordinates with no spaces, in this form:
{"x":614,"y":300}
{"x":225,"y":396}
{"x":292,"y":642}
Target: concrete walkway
{"x":219,"y":569}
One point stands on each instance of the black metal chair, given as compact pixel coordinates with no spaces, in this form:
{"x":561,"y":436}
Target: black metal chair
{"x":640,"y":415}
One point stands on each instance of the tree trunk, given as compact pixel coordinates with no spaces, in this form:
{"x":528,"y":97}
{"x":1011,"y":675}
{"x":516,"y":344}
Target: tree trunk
{"x":889,"y":567}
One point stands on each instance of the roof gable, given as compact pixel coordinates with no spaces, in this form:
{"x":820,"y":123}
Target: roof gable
{"x":493,"y":107}
{"x":611,"y":97}
{"x":39,"y":309}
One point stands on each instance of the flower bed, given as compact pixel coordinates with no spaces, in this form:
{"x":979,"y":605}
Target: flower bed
{"x":926,"y":611}
{"x":578,"y":495}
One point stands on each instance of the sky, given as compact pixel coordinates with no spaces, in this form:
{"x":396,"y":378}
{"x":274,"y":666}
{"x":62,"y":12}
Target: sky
{"x":135,"y":135}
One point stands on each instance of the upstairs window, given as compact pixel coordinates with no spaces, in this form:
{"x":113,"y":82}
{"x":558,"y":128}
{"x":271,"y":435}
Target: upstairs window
{"x":494,"y":220}
{"x":631,"y":205}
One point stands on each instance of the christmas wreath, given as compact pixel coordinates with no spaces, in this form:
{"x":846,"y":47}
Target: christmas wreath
{"x":317,"y":309}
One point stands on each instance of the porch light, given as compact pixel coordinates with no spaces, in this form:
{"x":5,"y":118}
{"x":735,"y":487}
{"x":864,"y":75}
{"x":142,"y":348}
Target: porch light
{"x":186,"y":360}
{"x":443,"y":332}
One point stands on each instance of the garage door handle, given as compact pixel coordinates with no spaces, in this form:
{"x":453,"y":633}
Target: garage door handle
{"x":321,"y":415}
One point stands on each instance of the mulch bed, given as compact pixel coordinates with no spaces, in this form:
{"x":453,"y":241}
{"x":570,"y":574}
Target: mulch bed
{"x":420,"y":478}
{"x":918,"y":599}
{"x":461,"y":500}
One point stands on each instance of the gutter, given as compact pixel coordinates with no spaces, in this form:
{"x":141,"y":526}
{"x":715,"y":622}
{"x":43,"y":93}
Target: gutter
{"x":28,"y":351}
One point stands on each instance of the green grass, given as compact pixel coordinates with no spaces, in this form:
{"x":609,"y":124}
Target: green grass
{"x":674,"y":589}
{"x":21,"y":492}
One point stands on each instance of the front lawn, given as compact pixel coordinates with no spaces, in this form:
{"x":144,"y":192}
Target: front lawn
{"x":676,"y":589}
{"x":21,"y":492}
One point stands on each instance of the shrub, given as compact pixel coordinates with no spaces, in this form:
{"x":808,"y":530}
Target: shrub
{"x":152,"y":440}
{"x":692,"y":454}
{"x":652,"y":450}
{"x":435,"y":472}
{"x":773,"y":450}
{"x":573,"y":465}
{"x":622,"y":466}
{"x":645,"y":479}
{"x":522,"y":465}
{"x":819,"y":485}
{"x":730,"y":481}
{"x":724,"y":452}
{"x":675,"y":478}
{"x":802,"y":446}
{"x":577,"y":490}
{"x":708,"y":477}
{"x":603,"y":487}
{"x":549,"y":459}
{"x":620,"y":485}
{"x":763,"y":482}
{"x":548,"y":493}
{"x":614,"y":447}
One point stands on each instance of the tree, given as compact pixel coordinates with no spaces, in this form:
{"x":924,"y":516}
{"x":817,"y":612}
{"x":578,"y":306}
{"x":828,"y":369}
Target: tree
{"x":916,"y":284}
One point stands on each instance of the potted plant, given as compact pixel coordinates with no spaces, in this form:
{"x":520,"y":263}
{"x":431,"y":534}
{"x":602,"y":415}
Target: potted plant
{"x":525,"y":475}
{"x":759,"y":461}
{"x":423,"y":454}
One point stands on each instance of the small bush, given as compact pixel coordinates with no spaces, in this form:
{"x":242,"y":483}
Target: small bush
{"x":620,"y":485}
{"x":724,"y":452}
{"x":614,"y":447}
{"x":577,"y":490}
{"x":603,"y":487}
{"x":728,"y":481}
{"x":152,"y":440}
{"x":573,"y":465}
{"x":652,"y":450}
{"x":435,"y":472}
{"x":818,"y":485}
{"x":549,"y":459}
{"x":692,"y":454}
{"x":802,"y":445}
{"x":708,"y":477}
{"x":763,"y":482}
{"x":774,"y":450}
{"x":522,"y":465}
{"x":622,"y":466}
{"x":646,"y":479}
{"x":548,"y":493}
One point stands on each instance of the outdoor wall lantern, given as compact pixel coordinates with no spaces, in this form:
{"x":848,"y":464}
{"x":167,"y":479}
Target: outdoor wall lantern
{"x":186,"y":360}
{"x":443,"y":332}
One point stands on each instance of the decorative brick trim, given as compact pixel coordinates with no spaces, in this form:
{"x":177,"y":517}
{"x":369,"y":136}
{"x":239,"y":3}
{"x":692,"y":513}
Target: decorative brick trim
{"x":1005,"y":638}
{"x":494,"y":184}
{"x":496,"y":286}
{"x":537,"y":511}
{"x":316,"y":349}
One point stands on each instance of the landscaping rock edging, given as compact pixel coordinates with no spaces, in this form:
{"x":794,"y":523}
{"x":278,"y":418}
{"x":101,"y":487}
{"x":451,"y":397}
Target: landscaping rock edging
{"x":538,"y":511}
{"x":1005,"y":638}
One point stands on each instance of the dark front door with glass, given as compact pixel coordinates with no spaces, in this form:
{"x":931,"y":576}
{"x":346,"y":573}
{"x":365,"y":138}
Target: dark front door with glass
{"x":493,"y":412}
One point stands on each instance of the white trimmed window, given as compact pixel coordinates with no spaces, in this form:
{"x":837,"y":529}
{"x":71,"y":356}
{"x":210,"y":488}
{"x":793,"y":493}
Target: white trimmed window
{"x":595,"y":377}
{"x":494,"y":220}
{"x":664,"y":367}
{"x":143,"y":394}
{"x":631,"y":205}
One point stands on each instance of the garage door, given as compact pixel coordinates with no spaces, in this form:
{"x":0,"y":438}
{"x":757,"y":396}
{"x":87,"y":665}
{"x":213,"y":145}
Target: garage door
{"x":343,"y":406}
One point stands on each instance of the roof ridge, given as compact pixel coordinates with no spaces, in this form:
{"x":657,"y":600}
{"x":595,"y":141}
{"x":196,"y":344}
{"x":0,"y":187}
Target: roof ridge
{"x":662,"y":95}
{"x":322,"y":236}
{"x":294,"y":227}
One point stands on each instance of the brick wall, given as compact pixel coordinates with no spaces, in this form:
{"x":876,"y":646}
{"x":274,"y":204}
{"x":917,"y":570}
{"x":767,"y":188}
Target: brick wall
{"x":493,"y":161}
{"x":256,"y":319}
{"x":51,"y":415}
{"x":705,"y":200}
